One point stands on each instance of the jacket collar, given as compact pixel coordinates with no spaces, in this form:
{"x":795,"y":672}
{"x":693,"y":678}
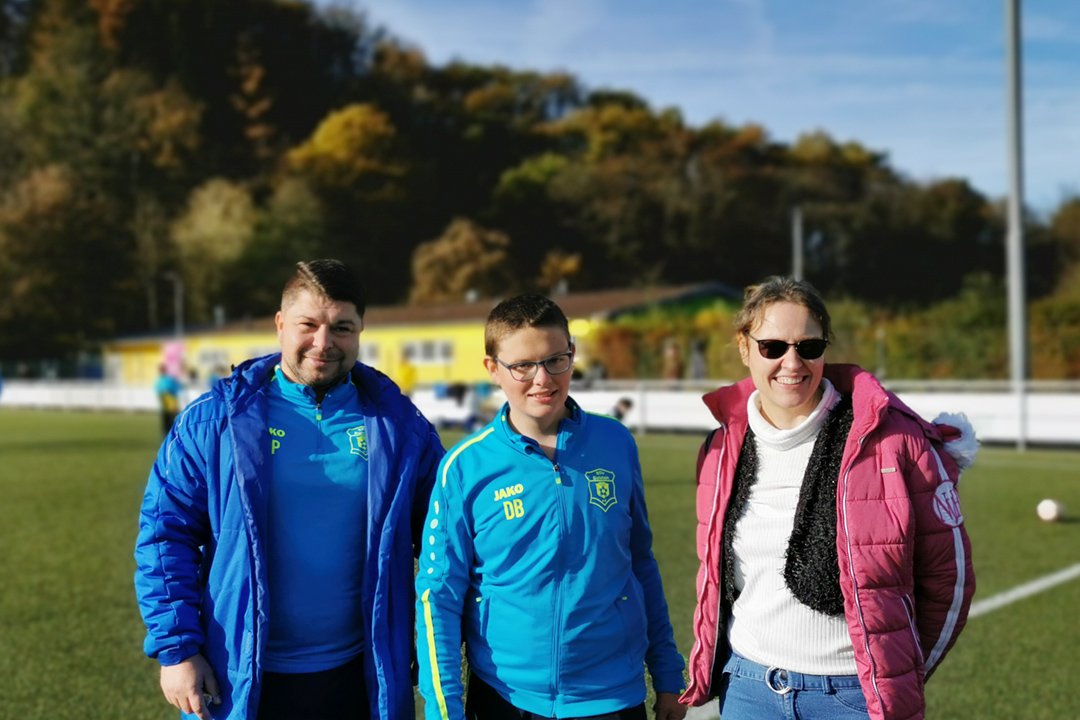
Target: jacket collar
{"x":869,"y":399}
{"x":252,"y":377}
{"x":728,"y":404}
{"x":568,"y":426}
{"x":298,"y":394}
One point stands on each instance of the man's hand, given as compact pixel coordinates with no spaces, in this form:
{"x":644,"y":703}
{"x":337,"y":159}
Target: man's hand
{"x":668,"y":707}
{"x":186,"y":683}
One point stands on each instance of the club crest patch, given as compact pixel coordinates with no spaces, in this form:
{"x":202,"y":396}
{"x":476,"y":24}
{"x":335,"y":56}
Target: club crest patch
{"x":601,"y":488}
{"x":357,"y":441}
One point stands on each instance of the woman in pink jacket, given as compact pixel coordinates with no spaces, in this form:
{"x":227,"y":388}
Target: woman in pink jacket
{"x":835,"y":569}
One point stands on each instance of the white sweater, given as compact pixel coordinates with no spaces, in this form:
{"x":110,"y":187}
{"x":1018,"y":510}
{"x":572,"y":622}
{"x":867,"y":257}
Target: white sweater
{"x":767,"y":624}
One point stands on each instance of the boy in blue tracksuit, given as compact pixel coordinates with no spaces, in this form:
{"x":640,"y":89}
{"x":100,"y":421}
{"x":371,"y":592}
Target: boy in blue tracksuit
{"x":537,"y":551}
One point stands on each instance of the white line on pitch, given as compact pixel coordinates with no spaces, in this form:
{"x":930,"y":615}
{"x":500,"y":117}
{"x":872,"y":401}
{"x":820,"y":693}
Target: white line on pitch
{"x":1022,"y":591}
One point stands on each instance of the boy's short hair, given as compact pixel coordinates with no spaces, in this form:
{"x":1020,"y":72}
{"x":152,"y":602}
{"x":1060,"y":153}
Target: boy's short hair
{"x":523,"y":311}
{"x":328,"y":278}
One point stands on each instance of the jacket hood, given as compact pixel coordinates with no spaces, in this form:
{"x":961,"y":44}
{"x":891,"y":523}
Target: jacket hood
{"x":237,"y":389}
{"x":960,"y":440}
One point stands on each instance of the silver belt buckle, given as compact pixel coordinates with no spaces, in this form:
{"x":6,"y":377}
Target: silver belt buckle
{"x":769,"y":680}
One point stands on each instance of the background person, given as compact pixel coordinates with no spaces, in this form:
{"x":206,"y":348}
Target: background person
{"x":621,"y":408}
{"x":538,"y":551}
{"x":406,"y":374}
{"x":168,"y":389}
{"x":671,"y":363}
{"x":280,"y":523}
{"x":835,"y":569}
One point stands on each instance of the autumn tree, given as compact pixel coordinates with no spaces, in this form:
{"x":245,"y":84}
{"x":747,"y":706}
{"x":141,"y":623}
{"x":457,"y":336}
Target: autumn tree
{"x":356,"y":162}
{"x":353,"y":151}
{"x":212,"y":234}
{"x":618,"y":189}
{"x":465,"y":258}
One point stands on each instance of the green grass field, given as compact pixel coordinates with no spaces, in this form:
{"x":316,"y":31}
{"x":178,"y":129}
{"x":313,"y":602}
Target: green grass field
{"x":70,"y":634}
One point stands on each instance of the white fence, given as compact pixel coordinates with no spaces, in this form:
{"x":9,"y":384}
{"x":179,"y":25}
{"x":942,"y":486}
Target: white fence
{"x":1051,"y":412}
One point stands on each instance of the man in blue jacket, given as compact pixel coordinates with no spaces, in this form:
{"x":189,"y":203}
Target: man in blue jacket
{"x":280,"y":524}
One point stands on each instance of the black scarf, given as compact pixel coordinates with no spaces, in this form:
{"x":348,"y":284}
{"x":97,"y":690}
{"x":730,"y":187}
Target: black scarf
{"x":811,"y":569}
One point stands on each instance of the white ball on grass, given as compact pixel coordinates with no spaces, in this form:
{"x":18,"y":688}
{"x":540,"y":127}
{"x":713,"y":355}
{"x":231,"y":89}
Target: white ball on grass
{"x":1050,"y":510}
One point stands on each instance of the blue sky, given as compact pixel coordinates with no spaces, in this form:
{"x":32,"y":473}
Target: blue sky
{"x":920,"y":80}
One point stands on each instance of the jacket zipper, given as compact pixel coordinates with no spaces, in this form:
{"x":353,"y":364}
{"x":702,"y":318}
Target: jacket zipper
{"x":555,"y":634}
{"x":711,"y":570}
{"x":714,"y":566}
{"x":854,"y":579}
{"x":909,"y":608}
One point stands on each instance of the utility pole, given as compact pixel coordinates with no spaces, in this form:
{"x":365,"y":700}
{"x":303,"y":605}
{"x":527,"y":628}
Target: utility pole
{"x":1014,"y":244}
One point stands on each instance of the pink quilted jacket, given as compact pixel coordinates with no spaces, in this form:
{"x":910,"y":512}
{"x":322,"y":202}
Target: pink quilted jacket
{"x":905,"y":560}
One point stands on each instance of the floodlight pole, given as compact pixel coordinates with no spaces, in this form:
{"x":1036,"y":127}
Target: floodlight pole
{"x":1014,"y":245}
{"x":796,"y":243}
{"x":178,"y":302}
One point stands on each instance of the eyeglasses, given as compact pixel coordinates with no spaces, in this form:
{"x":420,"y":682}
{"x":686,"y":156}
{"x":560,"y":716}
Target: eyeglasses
{"x":810,"y":349}
{"x":554,"y":365}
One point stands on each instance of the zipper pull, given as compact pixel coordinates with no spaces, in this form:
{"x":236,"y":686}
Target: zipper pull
{"x":558,"y":477}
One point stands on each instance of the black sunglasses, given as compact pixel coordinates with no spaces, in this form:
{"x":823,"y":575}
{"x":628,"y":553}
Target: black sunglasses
{"x":810,"y":349}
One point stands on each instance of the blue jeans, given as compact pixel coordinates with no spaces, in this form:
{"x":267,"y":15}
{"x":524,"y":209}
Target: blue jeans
{"x":757,"y":692}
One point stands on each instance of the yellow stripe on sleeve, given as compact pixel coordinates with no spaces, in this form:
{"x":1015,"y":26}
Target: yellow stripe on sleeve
{"x":436,"y":681}
{"x":453,"y":455}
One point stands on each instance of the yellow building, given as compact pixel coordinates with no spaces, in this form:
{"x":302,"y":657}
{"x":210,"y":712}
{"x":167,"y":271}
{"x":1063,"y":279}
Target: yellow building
{"x":445,"y":343}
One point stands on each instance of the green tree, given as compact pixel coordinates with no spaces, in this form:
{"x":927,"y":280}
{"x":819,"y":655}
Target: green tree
{"x":525,"y":206}
{"x":14,"y":26}
{"x":1055,"y":336}
{"x":58,"y":104}
{"x":150,"y":228}
{"x":1065,"y":224}
{"x":290,"y":228}
{"x":67,"y":277}
{"x":908,"y":236}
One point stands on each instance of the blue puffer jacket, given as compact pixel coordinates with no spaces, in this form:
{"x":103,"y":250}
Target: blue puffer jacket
{"x":546,"y":570}
{"x":200,"y":554}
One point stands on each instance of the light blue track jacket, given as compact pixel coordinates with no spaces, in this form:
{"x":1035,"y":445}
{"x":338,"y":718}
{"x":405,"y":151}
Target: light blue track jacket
{"x":547,"y":569}
{"x":201,"y":556}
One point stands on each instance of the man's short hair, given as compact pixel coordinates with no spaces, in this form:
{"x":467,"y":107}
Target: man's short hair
{"x":328,"y":278}
{"x":516,"y":313}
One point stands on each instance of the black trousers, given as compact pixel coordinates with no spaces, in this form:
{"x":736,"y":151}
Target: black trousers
{"x":483,"y":703}
{"x":337,"y":694}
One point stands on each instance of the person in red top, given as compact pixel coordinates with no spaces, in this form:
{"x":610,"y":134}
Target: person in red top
{"x":835,"y":568}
